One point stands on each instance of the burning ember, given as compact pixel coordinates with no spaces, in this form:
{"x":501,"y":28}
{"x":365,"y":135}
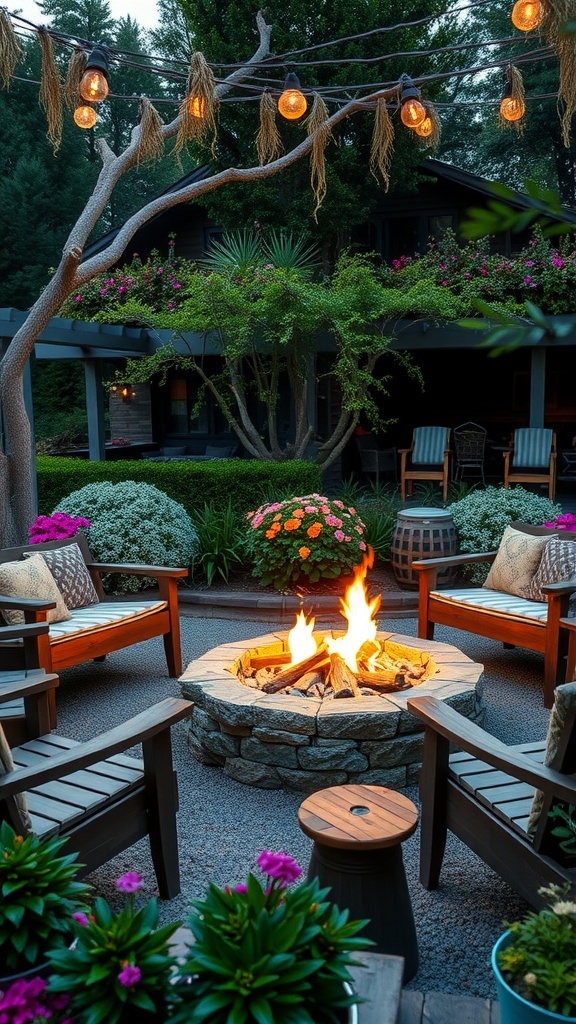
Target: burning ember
{"x":346,"y":665}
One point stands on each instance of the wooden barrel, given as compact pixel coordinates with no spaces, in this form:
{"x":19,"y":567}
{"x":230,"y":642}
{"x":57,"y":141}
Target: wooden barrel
{"x":423,"y":533}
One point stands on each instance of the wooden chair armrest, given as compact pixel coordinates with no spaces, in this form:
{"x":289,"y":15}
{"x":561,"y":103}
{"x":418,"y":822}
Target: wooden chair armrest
{"x":430,"y":564}
{"x":404,"y":451}
{"x":21,"y":685}
{"x":131,"y":569}
{"x":24,"y":604}
{"x":569,"y":623}
{"x":142,"y":727}
{"x":22,"y":632}
{"x":557,"y":589}
{"x":467,"y":736}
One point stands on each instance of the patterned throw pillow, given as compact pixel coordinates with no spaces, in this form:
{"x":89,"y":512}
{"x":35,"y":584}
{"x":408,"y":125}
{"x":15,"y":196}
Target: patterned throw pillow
{"x":7,"y":765}
{"x":516,"y":562}
{"x":558,"y":563}
{"x":72,"y":577}
{"x":31,"y":578}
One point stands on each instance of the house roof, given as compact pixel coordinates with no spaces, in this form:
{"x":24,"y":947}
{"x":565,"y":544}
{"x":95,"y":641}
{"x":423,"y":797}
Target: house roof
{"x":483,"y":186}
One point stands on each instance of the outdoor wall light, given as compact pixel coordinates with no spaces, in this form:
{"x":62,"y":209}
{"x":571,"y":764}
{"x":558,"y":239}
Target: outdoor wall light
{"x":292,"y":103}
{"x":85,"y":117}
{"x":94,"y":83}
{"x":125,"y":392}
{"x":412,"y":111}
{"x":527,"y":14}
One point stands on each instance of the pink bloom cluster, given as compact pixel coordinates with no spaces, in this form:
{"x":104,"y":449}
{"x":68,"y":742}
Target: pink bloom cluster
{"x":58,"y":526}
{"x":280,"y":867}
{"x":25,"y":1001}
{"x":565,"y":521}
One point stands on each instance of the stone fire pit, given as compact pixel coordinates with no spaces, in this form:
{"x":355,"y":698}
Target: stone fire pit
{"x":307,"y":743}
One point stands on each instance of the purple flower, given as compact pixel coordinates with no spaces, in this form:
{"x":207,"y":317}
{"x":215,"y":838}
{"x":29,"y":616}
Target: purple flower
{"x":77,"y":298}
{"x":529,"y":263}
{"x":279,"y":866}
{"x":130,"y":882}
{"x":340,"y":536}
{"x":103,"y":293}
{"x":122,"y":288}
{"x":160,"y":270}
{"x":130,"y":975}
{"x":466,"y":277}
{"x":175,"y":284}
{"x":557,"y":262}
{"x":444,"y":283}
{"x":241,"y":888}
{"x":80,"y":918}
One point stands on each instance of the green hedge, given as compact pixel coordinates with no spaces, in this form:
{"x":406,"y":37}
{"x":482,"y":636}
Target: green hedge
{"x":247,"y":481}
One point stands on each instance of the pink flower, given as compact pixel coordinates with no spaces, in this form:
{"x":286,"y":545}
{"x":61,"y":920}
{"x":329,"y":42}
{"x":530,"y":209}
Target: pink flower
{"x":122,"y":288}
{"x":325,"y":509}
{"x":338,"y":504}
{"x":527,"y":279}
{"x":279,"y":866}
{"x":362,"y":546}
{"x":444,"y":283}
{"x":529,"y":263}
{"x":77,"y":298}
{"x":556,"y":262}
{"x":483,"y":271}
{"x":176,"y":285}
{"x":80,"y":918}
{"x":332,"y":520}
{"x":242,"y":888}
{"x":103,"y":293}
{"x":311,"y":508}
{"x":130,"y":882}
{"x":339,"y":535}
{"x":466,"y":277}
{"x":130,"y":975}
{"x":160,"y":270}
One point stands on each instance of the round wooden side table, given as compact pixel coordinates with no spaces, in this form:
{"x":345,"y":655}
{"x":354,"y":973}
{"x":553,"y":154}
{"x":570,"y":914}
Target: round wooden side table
{"x":357,"y":832}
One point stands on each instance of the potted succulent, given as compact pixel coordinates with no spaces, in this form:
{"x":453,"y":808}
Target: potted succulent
{"x":39,"y":894}
{"x":534,"y":963}
{"x":270,"y":952}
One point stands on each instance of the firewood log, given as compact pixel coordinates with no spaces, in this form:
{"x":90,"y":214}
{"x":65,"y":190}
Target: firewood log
{"x":340,"y":677}
{"x":288,"y":676}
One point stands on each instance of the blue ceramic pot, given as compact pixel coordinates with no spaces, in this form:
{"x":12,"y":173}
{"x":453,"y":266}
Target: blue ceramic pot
{"x":513,"y":1008}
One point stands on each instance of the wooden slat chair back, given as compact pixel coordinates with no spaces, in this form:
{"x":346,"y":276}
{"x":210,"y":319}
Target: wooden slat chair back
{"x":102,"y":800}
{"x":495,"y":797}
{"x":428,"y":458}
{"x":532,"y":458}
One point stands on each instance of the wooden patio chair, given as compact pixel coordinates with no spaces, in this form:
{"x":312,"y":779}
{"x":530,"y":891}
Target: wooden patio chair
{"x":91,"y":792}
{"x":532,"y":458}
{"x":495,"y":797}
{"x":428,"y":458}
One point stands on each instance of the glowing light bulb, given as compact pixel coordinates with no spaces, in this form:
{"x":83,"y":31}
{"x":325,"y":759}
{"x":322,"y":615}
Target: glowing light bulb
{"x":94,"y":85}
{"x":292,"y":103}
{"x":412,"y":113}
{"x":425,"y":128}
{"x":85,"y":117}
{"x":512,"y":109}
{"x":196,"y":106}
{"x":527,"y":14}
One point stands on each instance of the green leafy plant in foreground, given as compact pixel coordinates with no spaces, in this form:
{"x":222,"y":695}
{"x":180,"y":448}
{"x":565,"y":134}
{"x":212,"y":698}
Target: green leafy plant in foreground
{"x":39,"y":893}
{"x":221,"y":542}
{"x":269,"y":952}
{"x":540,"y":961}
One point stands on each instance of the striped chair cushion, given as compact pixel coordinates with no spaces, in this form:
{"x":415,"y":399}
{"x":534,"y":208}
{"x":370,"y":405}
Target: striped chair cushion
{"x":532,"y":447}
{"x":496,"y":601}
{"x":430,"y":444}
{"x":105,"y":613}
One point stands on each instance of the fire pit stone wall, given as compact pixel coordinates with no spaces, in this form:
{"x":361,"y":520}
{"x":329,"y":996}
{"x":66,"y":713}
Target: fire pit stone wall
{"x":305,"y":743}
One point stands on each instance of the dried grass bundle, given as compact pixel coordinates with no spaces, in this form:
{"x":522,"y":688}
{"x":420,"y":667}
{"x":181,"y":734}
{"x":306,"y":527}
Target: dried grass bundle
{"x":381,"y":148}
{"x":316,"y":125}
{"x":50,"y":97}
{"x":514,"y":94}
{"x":76,"y":68}
{"x":268,"y":140}
{"x":151,"y":144}
{"x":557,"y":12}
{"x":10,"y":49}
{"x":199,"y":107}
{"x":430,"y":125}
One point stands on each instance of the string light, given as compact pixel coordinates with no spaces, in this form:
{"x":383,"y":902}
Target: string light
{"x":94,"y":82}
{"x":412,"y":112}
{"x":85,"y":117}
{"x":196,"y":106}
{"x":527,"y":15}
{"x":424,"y":129}
{"x":292,"y":103}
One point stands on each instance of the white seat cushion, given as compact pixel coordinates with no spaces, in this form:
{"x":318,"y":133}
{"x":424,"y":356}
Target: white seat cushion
{"x":488,"y":601}
{"x":93,"y":616}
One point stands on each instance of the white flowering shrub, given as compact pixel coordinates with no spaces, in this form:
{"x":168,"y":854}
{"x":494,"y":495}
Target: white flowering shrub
{"x":482,"y":516}
{"x":134,"y":522}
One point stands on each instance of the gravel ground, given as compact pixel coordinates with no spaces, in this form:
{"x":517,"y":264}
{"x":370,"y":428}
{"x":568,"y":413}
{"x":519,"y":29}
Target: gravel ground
{"x":223,"y":825}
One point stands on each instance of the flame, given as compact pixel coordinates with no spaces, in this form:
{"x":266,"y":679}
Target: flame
{"x":300,"y":640}
{"x":359,"y":613}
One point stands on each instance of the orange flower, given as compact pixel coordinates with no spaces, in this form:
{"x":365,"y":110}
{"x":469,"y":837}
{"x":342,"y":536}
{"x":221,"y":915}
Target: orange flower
{"x":304,"y":552}
{"x":270,"y":534}
{"x":299,"y":513}
{"x":275,"y":527}
{"x":291,"y":524}
{"x":314,"y":530}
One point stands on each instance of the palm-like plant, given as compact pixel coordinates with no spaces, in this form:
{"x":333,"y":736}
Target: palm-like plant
{"x":240,"y":252}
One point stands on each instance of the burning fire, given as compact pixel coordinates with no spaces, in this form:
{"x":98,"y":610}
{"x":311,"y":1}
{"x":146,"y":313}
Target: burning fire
{"x":356,"y":609}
